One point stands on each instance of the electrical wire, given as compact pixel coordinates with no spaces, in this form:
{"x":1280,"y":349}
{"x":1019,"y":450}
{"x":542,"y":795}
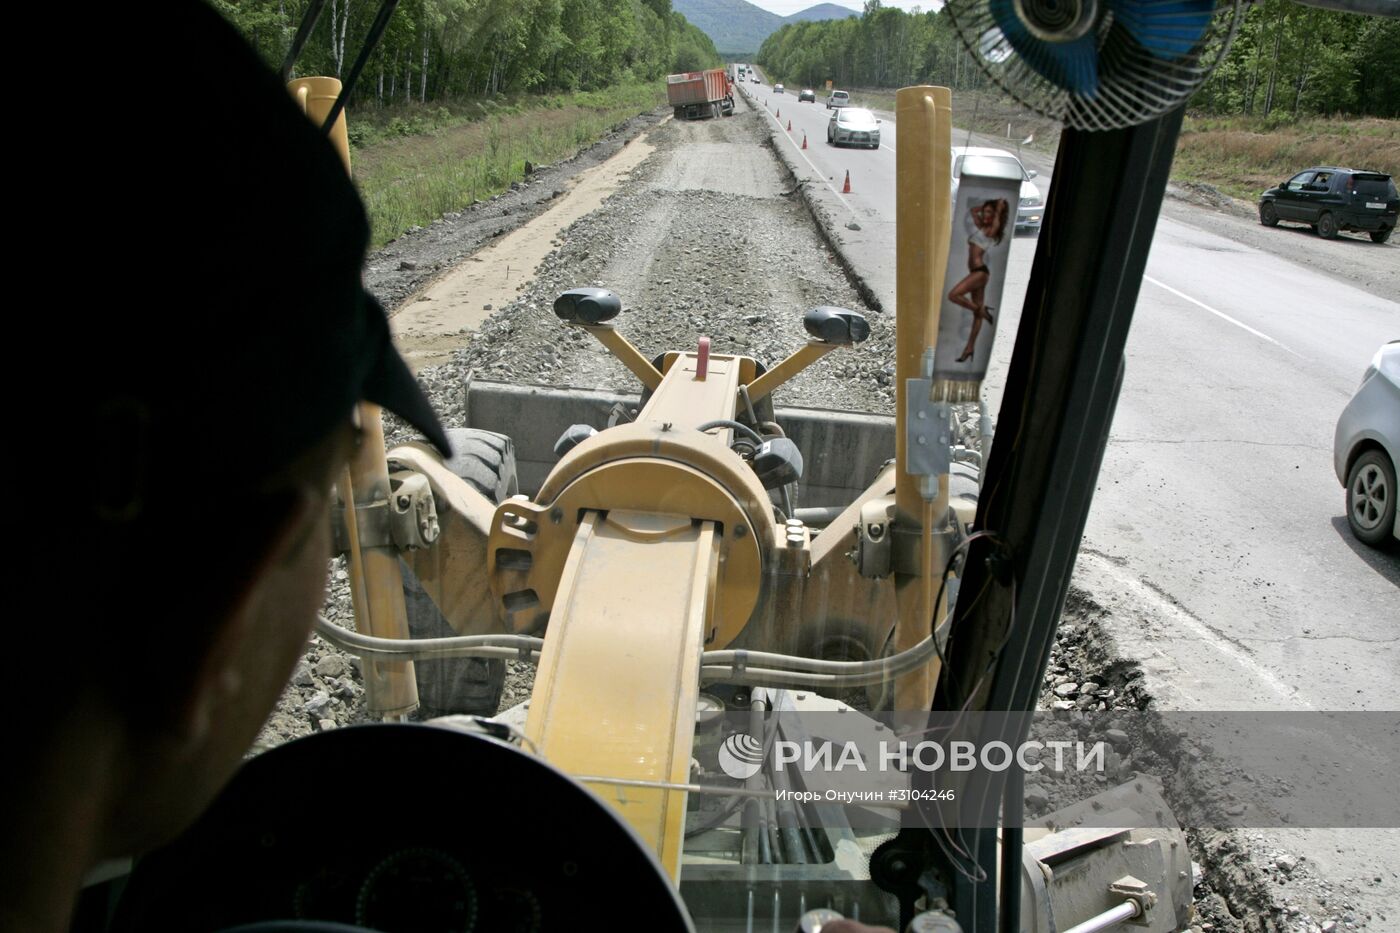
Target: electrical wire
{"x":376,"y":30}
{"x":308,"y":23}
{"x":963,"y":547}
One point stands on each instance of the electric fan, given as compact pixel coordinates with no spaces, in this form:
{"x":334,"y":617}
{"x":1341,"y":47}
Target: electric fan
{"x":1097,"y":64}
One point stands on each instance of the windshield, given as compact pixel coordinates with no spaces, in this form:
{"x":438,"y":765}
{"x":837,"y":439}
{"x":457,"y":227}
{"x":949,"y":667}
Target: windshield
{"x":1007,"y":161}
{"x":722,"y":399}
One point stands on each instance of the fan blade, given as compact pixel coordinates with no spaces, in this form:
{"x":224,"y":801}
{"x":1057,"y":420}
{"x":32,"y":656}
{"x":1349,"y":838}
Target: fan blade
{"x":1071,"y":65}
{"x":1168,"y":29}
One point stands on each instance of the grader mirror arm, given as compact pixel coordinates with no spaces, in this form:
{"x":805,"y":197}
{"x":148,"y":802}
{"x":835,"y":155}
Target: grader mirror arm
{"x":592,"y":309}
{"x":829,"y":327}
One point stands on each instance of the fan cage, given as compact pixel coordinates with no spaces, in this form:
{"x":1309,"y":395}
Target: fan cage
{"x":1134,"y":85}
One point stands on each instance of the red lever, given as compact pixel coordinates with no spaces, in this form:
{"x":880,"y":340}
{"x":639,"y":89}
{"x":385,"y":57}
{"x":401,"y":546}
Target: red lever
{"x":702,"y":358}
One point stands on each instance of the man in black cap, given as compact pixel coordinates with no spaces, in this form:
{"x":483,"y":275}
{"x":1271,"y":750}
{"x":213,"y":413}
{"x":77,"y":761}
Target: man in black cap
{"x":216,"y":348}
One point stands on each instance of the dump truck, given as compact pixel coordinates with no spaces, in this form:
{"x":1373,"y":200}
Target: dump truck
{"x":696,"y":95}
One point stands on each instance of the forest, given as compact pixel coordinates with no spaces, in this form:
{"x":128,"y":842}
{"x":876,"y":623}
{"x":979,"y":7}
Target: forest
{"x":454,"y":50}
{"x":1287,"y":60}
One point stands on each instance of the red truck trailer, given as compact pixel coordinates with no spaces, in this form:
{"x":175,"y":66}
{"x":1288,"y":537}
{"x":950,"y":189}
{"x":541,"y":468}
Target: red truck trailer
{"x":699,"y":94}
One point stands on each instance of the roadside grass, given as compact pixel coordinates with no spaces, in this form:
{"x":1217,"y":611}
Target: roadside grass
{"x":1242,"y":156}
{"x":412,"y":165}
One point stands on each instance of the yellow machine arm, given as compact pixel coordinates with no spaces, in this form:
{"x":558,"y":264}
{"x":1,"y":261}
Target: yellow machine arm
{"x":652,"y":542}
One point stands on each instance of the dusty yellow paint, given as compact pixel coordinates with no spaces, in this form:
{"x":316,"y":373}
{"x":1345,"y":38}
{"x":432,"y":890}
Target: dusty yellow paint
{"x":618,"y":678}
{"x":626,"y":353}
{"x":800,"y":359}
{"x":376,"y":583}
{"x":923,"y":178}
{"x":315,"y":97}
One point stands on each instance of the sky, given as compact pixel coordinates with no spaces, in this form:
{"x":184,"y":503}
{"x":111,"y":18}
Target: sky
{"x":787,"y":7}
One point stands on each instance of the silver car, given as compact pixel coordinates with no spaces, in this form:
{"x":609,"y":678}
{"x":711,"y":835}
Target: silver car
{"x":1031,"y":208}
{"x":1366,"y":449}
{"x":854,"y":126}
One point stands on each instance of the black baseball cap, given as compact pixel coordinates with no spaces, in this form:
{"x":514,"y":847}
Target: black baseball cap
{"x":244,"y":333}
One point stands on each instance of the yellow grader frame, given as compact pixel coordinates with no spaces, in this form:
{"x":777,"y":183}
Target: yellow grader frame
{"x":650,"y":558}
{"x":652,"y":542}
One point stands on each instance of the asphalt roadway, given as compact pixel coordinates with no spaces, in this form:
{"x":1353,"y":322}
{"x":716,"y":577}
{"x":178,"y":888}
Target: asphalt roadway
{"x":1217,"y":501}
{"x":1217,"y":537}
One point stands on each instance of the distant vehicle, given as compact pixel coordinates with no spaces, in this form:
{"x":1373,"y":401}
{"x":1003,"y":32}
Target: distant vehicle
{"x":755,"y":79}
{"x":777,"y":89}
{"x":1332,"y":199}
{"x":807,"y":95}
{"x":838,"y":99}
{"x":854,"y":126}
{"x":1366,"y":449}
{"x":1031,"y":207}
{"x":696,"y":95}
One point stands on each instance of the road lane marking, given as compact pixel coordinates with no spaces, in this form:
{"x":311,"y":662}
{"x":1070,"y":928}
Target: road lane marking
{"x":1221,"y":314}
{"x":1147,"y":595}
{"x":798,"y":150}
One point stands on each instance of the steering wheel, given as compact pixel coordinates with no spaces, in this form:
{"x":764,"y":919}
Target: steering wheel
{"x":402,"y":828}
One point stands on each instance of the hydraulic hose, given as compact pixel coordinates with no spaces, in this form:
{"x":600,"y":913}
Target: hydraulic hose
{"x":729,"y":666}
{"x":518,"y":647}
{"x":742,"y":428}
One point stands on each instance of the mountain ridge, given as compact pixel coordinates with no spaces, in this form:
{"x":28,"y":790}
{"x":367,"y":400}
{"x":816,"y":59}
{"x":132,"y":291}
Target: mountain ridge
{"x":738,"y":28}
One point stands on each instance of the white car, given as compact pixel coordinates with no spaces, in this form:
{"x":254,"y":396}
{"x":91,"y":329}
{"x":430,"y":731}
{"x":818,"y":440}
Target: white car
{"x":853,"y":126}
{"x":1031,"y":209}
{"x":838,"y":99}
{"x":1366,"y":450}
{"x":777,"y":89}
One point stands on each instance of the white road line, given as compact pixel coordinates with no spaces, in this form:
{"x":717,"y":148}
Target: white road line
{"x":1203,"y":633}
{"x":1220,"y":314}
{"x":798,"y":149}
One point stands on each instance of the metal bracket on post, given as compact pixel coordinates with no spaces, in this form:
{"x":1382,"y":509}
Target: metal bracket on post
{"x":874,"y":538}
{"x":928,"y":426}
{"x":407,"y":520}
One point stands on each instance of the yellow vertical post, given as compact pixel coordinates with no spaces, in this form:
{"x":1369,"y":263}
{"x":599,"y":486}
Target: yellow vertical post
{"x":923,"y":178}
{"x":316,"y":96}
{"x":376,"y":582}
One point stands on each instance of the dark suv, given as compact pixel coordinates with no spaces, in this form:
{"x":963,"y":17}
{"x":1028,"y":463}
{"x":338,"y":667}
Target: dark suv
{"x":1333,"y":199}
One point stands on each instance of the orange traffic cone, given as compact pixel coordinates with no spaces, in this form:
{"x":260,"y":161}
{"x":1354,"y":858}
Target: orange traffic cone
{"x":780,"y":113}
{"x":789,"y":124}
{"x":846,"y":188}
{"x":804,"y":140}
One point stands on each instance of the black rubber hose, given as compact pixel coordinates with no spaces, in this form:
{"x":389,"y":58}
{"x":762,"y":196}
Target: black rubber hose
{"x":743,"y":429}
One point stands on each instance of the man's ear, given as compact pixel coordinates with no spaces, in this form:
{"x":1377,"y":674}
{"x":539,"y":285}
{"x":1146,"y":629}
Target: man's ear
{"x":265,"y":541}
